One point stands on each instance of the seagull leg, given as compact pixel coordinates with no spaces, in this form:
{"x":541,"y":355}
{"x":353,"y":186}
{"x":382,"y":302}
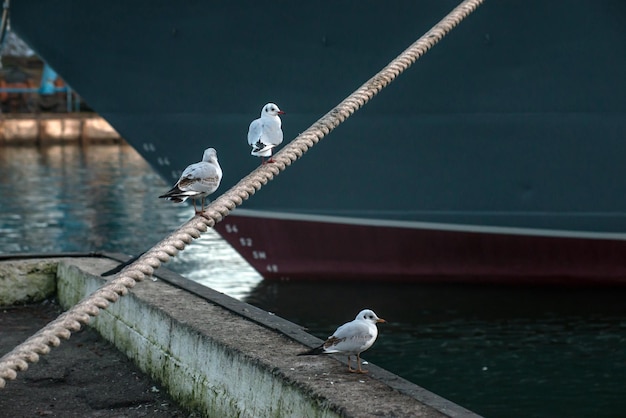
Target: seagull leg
{"x":194,"y":206}
{"x":202,"y":213}
{"x":358,"y":363}
{"x":350,"y":369}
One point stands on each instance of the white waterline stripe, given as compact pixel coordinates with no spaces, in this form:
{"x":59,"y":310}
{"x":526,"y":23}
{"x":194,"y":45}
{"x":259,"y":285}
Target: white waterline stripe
{"x":511,"y":230}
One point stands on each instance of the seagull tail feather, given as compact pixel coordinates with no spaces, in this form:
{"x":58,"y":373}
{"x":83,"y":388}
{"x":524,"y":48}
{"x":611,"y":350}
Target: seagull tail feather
{"x":175,"y":195}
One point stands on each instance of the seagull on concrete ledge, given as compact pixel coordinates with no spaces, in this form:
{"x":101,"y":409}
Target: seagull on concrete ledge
{"x":265,"y":132}
{"x":351,"y":338}
{"x":197,"y":181}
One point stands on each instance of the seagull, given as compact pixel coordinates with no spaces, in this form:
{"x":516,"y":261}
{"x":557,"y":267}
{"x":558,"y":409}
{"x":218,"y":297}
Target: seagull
{"x":265,"y":132}
{"x":351,"y":338}
{"x":197,"y":181}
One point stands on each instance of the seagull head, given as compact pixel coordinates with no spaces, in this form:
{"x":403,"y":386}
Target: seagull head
{"x":271,"y":109}
{"x":369,"y":316}
{"x":209,"y":155}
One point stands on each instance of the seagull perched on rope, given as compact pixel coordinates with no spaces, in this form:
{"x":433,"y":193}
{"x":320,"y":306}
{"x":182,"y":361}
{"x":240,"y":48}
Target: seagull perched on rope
{"x":197,"y":181}
{"x":351,"y":338}
{"x":265,"y":132}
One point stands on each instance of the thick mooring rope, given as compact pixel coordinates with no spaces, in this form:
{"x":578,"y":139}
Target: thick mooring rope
{"x":72,"y":320}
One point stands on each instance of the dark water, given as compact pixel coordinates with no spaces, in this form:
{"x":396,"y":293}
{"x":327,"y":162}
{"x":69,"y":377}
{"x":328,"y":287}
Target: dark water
{"x":502,"y":352}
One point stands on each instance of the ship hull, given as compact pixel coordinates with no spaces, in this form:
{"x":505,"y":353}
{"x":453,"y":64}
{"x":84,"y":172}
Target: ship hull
{"x":284,"y":247}
{"x":515,"y":121}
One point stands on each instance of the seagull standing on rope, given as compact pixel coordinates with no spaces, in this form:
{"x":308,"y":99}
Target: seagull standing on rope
{"x":265,"y":133}
{"x":351,"y":338}
{"x":197,"y":181}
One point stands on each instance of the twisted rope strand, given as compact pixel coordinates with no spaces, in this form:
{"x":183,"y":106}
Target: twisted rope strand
{"x":90,"y":306}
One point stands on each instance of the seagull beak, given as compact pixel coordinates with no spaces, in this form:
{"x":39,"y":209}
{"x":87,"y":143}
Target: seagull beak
{"x":380,"y":321}
{"x":280,"y":112}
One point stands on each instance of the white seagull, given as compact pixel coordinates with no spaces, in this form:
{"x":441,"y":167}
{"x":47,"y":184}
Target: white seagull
{"x":351,"y":338}
{"x":265,"y":132}
{"x":197,"y":181}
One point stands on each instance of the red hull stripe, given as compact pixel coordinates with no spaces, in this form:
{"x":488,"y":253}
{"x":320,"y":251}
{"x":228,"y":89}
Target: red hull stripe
{"x":296,"y":249}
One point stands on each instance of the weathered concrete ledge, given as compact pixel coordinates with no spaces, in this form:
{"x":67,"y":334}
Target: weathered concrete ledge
{"x":221,"y":357}
{"x":56,"y":127}
{"x":27,"y":281}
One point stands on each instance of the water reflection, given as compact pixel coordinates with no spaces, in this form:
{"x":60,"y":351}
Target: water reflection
{"x":63,"y":198}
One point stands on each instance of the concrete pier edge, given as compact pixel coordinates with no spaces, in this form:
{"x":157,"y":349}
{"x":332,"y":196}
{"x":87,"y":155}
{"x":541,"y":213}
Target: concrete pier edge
{"x":55,"y":128}
{"x":244,"y":343}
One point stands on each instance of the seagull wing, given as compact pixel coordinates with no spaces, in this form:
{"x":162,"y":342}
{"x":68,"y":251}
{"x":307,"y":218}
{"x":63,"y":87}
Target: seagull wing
{"x":190,"y":176}
{"x":210,"y":178}
{"x":352,"y":337}
{"x":255,"y":132}
{"x":201,"y":177}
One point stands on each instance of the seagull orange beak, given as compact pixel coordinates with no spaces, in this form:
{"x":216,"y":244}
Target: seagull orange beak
{"x":380,"y":320}
{"x":280,"y":112}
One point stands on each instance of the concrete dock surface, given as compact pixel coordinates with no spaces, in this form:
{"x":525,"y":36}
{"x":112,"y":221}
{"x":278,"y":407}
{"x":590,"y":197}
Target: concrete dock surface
{"x":83,"y":377}
{"x":214,"y":355}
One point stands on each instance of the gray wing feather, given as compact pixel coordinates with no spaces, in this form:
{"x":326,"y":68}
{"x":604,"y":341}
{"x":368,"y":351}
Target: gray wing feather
{"x":352,"y":329}
{"x":255,"y":132}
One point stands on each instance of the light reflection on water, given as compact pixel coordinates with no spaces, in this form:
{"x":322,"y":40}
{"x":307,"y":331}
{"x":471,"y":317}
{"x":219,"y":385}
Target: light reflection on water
{"x":104,"y":198}
{"x":511,"y":352}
